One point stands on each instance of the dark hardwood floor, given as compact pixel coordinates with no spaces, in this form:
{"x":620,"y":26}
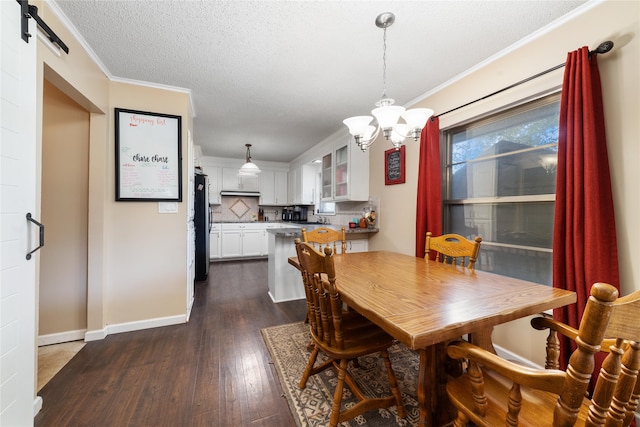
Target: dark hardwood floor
{"x":213,"y":371}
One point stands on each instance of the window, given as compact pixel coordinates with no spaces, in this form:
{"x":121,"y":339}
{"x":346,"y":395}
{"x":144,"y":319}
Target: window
{"x":500,"y":185}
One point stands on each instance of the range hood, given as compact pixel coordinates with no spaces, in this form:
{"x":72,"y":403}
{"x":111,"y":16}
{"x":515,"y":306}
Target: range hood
{"x":240,"y":193}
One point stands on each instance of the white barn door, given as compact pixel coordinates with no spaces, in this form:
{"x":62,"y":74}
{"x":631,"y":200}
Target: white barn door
{"x":17,"y":237}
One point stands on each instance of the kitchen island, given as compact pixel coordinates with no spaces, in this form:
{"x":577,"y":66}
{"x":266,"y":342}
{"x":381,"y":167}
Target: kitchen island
{"x":285,"y":283}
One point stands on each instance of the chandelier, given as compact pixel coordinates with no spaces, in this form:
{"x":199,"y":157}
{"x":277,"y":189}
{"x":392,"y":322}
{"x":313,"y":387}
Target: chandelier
{"x":387,"y":114}
{"x":249,"y":168}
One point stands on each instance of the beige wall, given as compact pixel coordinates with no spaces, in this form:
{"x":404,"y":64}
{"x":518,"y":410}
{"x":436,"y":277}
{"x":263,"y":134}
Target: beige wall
{"x":146,"y":252}
{"x":597,"y":22}
{"x":136,"y":270}
{"x":65,"y":171}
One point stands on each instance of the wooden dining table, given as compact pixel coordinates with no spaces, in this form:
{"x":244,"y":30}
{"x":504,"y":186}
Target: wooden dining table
{"x":426,"y":304}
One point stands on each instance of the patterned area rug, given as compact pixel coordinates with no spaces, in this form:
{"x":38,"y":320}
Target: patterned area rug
{"x":311,"y":407}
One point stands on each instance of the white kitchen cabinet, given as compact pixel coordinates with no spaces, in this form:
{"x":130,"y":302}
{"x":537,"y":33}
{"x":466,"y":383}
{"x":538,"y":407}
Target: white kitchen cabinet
{"x":273,"y":188}
{"x":214,"y":241}
{"x":327,"y":177}
{"x":303,"y":181}
{"x":231,"y":243}
{"x":232,"y":181}
{"x":345,"y":174}
{"x":266,"y":186}
{"x":253,"y":242}
{"x":358,"y":245}
{"x":240,"y":240}
{"x":281,"y":188}
{"x":215,"y":184}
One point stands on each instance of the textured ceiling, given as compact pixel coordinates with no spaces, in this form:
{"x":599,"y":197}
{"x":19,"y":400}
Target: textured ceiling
{"x":282,"y":75}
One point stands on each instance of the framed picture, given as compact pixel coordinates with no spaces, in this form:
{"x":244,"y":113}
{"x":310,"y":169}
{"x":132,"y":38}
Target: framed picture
{"x":394,"y":166}
{"x":148,"y":156}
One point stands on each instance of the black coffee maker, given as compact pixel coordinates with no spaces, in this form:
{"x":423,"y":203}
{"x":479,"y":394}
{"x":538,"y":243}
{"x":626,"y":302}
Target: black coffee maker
{"x":300,"y":213}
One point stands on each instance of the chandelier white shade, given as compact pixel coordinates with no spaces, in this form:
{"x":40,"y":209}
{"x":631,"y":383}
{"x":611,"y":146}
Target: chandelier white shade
{"x":387,"y":115}
{"x":249,"y":168}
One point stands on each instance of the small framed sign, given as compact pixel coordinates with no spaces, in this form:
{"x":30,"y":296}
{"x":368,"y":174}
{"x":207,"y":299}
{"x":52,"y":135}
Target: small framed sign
{"x":148,"y":156}
{"x":394,"y":166}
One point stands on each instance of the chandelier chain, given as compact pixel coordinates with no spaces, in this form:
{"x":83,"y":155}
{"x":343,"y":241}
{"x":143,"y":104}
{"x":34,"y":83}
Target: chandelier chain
{"x":384,"y":63}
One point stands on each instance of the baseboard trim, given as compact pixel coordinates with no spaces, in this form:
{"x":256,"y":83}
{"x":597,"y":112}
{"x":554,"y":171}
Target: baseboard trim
{"x":60,"y":337}
{"x":100,"y":334}
{"x":37,"y":405}
{"x":508,"y":355}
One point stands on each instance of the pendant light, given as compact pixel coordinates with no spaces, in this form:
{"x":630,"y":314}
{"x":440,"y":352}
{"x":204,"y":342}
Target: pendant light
{"x":249,"y":168}
{"x":387,"y":114}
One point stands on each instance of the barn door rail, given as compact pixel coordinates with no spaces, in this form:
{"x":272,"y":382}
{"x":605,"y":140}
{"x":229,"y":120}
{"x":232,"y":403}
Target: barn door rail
{"x":30,"y":11}
{"x":41,"y":227}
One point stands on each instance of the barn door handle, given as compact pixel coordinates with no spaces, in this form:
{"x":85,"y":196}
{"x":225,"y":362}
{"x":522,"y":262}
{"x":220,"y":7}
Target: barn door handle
{"x":41,"y":227}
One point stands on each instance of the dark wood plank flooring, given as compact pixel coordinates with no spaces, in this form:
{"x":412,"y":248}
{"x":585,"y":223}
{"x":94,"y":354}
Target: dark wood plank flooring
{"x":213,"y":371}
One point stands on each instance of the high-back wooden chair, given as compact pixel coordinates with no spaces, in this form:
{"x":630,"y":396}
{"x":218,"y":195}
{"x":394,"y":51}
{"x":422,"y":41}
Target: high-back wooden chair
{"x":341,"y":335}
{"x":324,"y":236}
{"x":453,"y":248}
{"x":496,"y":392}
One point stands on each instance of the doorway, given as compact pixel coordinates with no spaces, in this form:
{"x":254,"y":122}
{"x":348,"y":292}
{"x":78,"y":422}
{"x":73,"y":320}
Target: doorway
{"x":64,"y":197}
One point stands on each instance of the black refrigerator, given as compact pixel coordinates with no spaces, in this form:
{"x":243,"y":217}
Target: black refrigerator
{"x":201,"y":222}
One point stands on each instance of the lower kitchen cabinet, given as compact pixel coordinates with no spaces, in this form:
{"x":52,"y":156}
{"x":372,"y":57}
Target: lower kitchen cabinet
{"x":253,"y":242}
{"x":240,"y":240}
{"x":214,"y":241}
{"x":358,"y":245}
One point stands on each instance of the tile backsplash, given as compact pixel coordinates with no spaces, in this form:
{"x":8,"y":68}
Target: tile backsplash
{"x":243,"y":209}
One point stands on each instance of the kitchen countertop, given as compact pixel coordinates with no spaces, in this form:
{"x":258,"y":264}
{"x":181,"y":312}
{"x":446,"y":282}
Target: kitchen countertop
{"x":294,"y":231}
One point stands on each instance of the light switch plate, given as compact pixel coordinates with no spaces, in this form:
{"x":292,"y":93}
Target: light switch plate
{"x":167,"y":207}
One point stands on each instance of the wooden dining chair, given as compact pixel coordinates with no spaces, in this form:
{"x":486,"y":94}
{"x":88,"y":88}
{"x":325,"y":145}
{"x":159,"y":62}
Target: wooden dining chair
{"x":453,"y":249}
{"x":341,"y":335}
{"x":324,"y":236}
{"x":495,"y":391}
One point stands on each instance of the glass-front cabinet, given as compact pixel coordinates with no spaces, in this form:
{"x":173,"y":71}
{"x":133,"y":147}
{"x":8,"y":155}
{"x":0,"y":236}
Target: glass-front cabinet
{"x":327,"y":177}
{"x":345,"y":174}
{"x":342,"y":172}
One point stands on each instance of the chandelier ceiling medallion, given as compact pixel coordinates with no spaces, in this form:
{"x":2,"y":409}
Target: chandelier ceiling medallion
{"x":249,"y":168}
{"x":387,"y":114}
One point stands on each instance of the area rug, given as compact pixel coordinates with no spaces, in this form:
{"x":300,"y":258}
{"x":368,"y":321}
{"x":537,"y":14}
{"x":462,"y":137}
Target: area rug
{"x":311,"y":406}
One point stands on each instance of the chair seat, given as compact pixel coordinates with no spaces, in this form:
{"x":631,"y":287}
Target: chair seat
{"x":537,"y":406}
{"x":361,"y":337}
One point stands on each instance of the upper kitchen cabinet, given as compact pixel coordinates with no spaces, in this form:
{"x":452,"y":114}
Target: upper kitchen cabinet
{"x":215,"y":184}
{"x":302,"y":182}
{"x":345,"y":174}
{"x":273,"y":188}
{"x":327,"y":177}
{"x":232,"y":181}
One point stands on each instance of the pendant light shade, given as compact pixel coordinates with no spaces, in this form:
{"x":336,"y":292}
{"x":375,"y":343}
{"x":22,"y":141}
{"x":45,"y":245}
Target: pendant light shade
{"x":249,"y":168}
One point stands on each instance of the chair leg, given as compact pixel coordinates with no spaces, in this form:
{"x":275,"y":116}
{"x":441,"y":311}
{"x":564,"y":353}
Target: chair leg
{"x":309,"y":368}
{"x":337,"y":395}
{"x":461,"y":421}
{"x":393,"y":383}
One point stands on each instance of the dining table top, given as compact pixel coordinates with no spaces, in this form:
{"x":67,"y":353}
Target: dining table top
{"x":421,"y":302}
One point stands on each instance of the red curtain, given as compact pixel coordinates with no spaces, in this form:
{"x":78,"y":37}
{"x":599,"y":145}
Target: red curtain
{"x":584,"y":240}
{"x":429,"y":198}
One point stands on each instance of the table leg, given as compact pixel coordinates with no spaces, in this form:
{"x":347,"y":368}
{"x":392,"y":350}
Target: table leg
{"x":425,"y":392}
{"x":433,"y":402}
{"x":483,"y":339}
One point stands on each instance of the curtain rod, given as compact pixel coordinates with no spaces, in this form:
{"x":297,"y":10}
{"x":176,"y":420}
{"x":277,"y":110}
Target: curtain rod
{"x":603,"y":48}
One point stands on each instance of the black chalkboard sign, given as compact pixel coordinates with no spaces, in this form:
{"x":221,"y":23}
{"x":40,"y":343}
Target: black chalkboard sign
{"x":394,"y":166}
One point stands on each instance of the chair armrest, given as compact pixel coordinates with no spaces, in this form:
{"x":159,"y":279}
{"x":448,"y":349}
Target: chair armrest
{"x":542,"y":323}
{"x":542,"y":379}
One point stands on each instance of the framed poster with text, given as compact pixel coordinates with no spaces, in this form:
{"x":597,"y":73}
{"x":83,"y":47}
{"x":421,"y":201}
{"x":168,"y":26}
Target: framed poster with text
{"x":148,"y":156}
{"x":394,"y":166}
